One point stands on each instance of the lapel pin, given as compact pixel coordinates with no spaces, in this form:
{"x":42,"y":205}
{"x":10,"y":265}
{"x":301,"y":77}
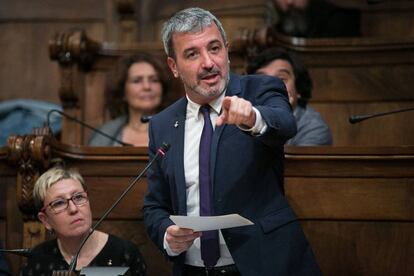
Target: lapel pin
{"x":176,"y":124}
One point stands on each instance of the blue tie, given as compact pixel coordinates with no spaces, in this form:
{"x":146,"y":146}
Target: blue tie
{"x":210,"y":251}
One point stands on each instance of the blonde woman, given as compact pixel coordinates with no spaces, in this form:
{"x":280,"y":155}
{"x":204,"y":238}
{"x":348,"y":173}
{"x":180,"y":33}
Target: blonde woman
{"x":62,"y":201}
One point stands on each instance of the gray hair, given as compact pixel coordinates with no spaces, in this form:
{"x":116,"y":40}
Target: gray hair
{"x":48,"y":179}
{"x":190,"y":20}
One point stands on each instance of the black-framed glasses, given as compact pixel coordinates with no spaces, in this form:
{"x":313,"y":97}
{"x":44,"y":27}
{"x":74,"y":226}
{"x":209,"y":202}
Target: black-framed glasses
{"x":61,"y":204}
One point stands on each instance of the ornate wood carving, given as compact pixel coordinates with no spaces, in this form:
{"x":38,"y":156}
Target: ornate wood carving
{"x":33,"y":233}
{"x":73,"y":47}
{"x":31,"y":155}
{"x":75,"y":53}
{"x":128,"y":21}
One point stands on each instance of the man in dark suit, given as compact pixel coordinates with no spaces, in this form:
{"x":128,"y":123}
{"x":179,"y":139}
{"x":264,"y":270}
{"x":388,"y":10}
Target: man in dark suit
{"x":252,"y":119}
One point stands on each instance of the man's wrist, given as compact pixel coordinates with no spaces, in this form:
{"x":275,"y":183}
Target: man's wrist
{"x":259,"y":126}
{"x":167,"y":247}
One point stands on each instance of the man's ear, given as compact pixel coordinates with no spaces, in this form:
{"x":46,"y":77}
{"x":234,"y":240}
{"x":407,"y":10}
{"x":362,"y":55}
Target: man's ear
{"x":173,"y":66}
{"x":45,"y":220}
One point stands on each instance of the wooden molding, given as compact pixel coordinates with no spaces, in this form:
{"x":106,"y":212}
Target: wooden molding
{"x":73,"y":46}
{"x":75,"y":53}
{"x":31,"y":155}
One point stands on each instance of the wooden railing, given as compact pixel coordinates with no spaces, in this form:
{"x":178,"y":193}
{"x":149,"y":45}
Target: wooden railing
{"x":354,"y":203}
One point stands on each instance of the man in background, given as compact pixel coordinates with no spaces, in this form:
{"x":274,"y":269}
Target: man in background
{"x":316,"y":18}
{"x":277,"y":62}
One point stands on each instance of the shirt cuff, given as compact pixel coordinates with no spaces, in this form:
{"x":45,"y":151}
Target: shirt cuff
{"x":259,"y":127}
{"x":167,"y":247}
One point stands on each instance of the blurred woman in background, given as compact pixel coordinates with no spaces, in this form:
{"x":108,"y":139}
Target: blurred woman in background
{"x":134,"y":92}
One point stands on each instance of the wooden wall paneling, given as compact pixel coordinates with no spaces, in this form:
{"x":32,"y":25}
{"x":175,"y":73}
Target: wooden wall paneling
{"x":113,"y":187}
{"x":34,"y":75}
{"x":378,"y":83}
{"x":26,"y":27}
{"x":344,"y":217}
{"x":390,"y":19}
{"x":387,"y":18}
{"x":341,"y":199}
{"x":390,"y":130}
{"x":10,"y":216}
{"x":19,"y":10}
{"x":345,"y":248}
{"x":234,"y":15}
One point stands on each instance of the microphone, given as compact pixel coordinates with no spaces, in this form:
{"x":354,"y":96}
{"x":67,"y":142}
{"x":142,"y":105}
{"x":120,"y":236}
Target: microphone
{"x":160,"y":153}
{"x":25,"y":252}
{"x":358,"y":118}
{"x":146,"y":118}
{"x":85,"y":125}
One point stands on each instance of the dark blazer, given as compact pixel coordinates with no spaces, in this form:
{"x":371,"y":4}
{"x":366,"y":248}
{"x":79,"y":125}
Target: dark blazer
{"x":247,"y":175}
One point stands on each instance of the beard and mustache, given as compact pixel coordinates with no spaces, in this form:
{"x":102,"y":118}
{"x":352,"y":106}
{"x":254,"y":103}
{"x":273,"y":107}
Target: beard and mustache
{"x":205,"y":91}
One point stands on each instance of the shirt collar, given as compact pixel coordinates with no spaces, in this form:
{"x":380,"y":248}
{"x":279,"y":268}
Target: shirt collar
{"x":193,"y":109}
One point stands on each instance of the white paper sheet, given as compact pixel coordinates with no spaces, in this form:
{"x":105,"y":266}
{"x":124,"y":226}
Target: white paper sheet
{"x":210,"y":223}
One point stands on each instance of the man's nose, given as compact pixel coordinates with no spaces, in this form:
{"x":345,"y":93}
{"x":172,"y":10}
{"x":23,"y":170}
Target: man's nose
{"x":207,"y":61}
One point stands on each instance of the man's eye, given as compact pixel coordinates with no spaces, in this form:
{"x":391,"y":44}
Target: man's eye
{"x":191,"y":55}
{"x":215,"y":49}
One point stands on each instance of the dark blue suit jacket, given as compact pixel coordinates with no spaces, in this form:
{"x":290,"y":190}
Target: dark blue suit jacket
{"x":247,"y":175}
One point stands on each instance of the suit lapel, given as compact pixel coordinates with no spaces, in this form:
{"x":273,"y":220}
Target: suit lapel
{"x":178,"y":127}
{"x":233,"y":89}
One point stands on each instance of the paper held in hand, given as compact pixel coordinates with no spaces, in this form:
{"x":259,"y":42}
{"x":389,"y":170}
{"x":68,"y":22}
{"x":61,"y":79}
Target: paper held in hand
{"x":210,"y":222}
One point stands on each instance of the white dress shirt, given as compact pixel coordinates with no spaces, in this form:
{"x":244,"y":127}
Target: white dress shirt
{"x":194,"y":124}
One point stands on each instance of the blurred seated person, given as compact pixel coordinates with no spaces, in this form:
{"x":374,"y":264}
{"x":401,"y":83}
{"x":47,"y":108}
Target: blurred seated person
{"x":277,"y":62}
{"x":61,"y":198}
{"x":316,"y":18}
{"x":20,"y":116}
{"x":134,"y":92}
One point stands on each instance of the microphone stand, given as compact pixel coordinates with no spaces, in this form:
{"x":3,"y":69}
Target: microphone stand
{"x":25,"y":252}
{"x":85,"y":125}
{"x":358,"y":118}
{"x":160,"y":153}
